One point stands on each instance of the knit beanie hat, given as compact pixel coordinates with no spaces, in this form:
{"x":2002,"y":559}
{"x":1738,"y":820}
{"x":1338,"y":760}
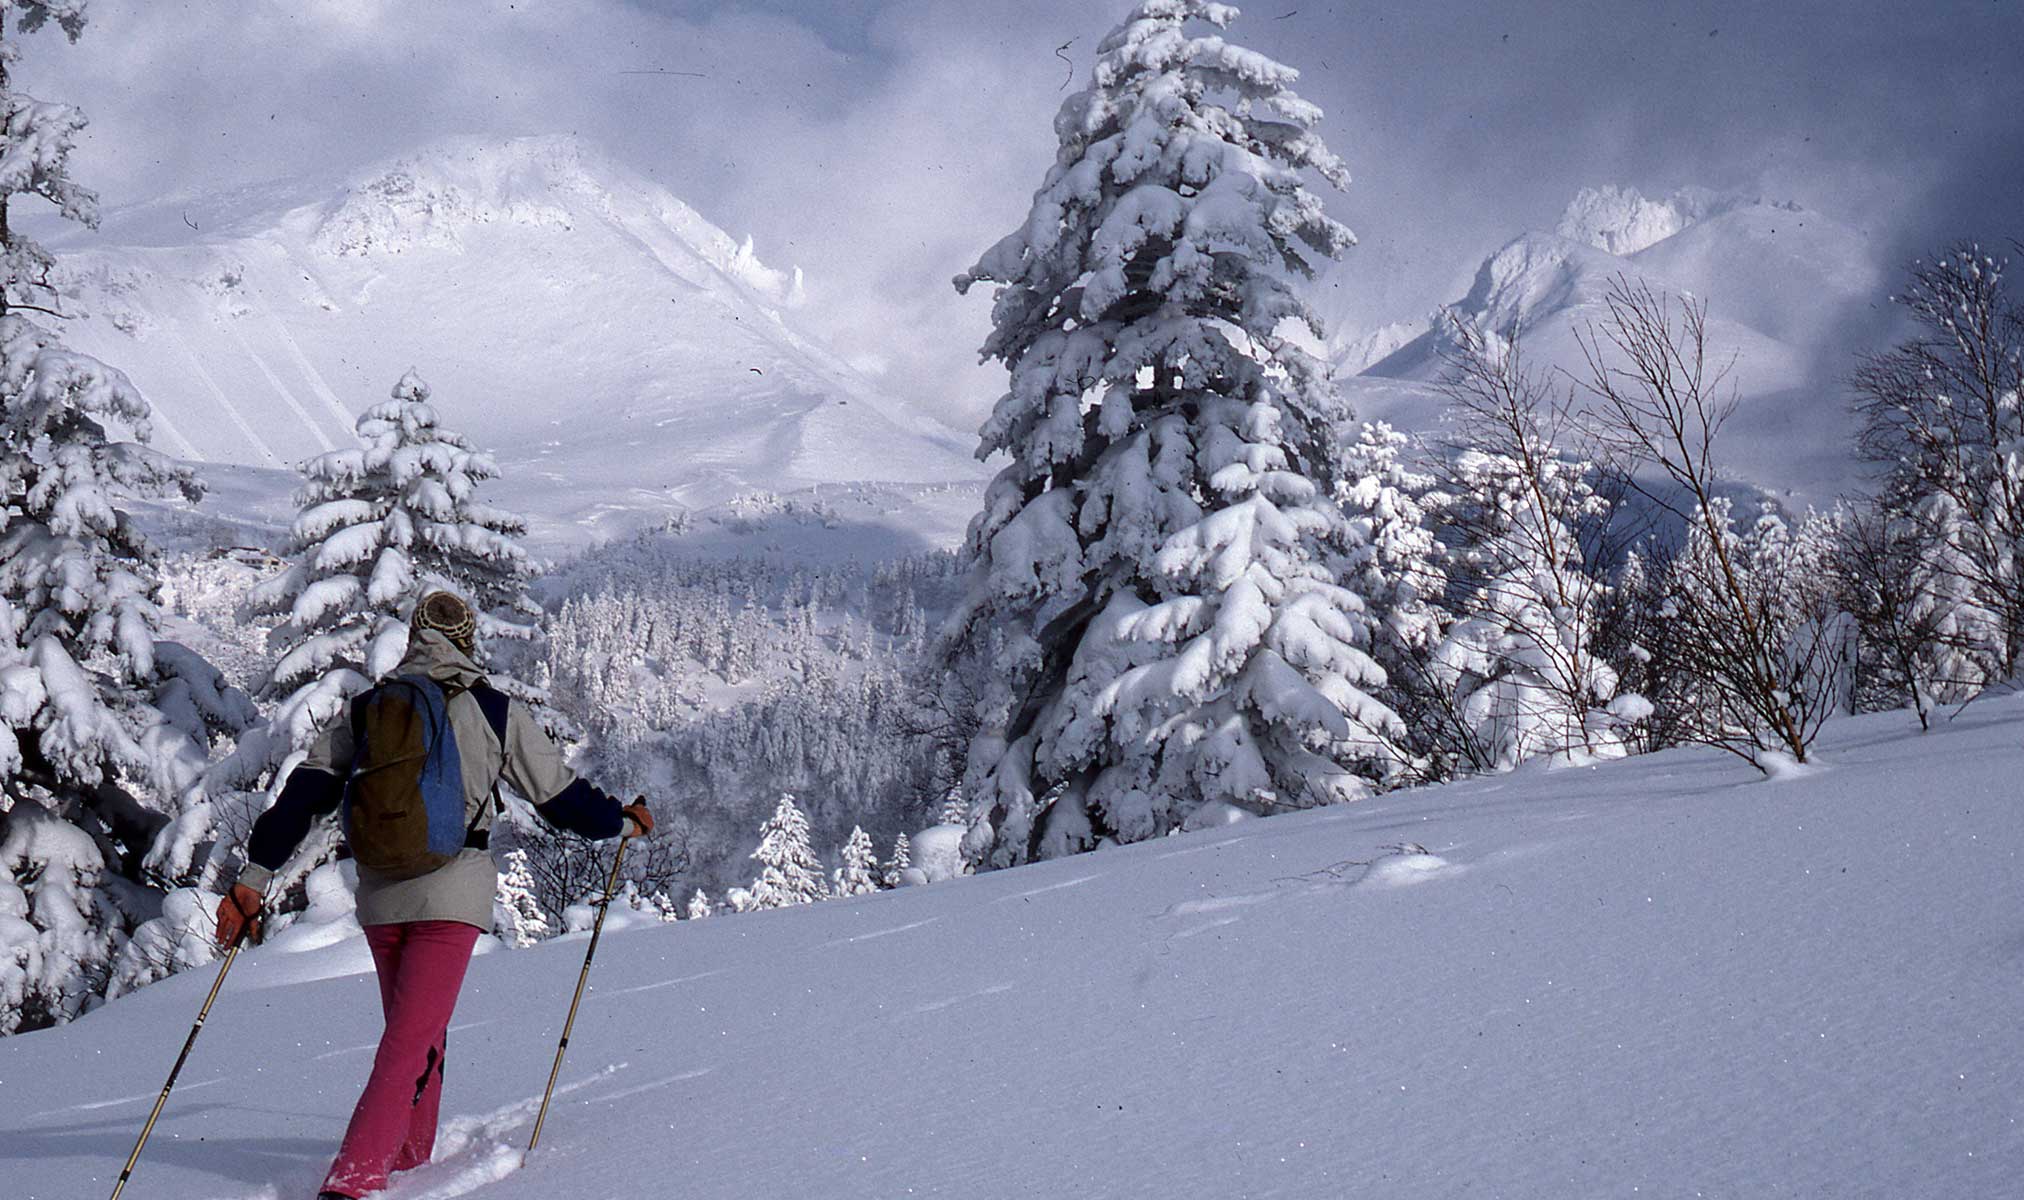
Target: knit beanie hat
{"x":447,"y":614}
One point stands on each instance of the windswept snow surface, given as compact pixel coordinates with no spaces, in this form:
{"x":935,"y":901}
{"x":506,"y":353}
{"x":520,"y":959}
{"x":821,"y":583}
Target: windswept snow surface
{"x":1661,"y":977}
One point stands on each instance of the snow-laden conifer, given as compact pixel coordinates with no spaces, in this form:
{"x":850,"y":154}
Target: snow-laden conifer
{"x":896,"y":865}
{"x":1399,"y":567}
{"x":699,"y":906}
{"x":101,"y":725}
{"x":790,"y":873}
{"x":859,"y":874}
{"x":517,"y":918}
{"x":1151,"y":572}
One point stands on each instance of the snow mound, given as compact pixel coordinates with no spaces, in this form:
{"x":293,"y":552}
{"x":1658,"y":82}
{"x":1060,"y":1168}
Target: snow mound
{"x":1406,"y":869}
{"x":938,"y":853}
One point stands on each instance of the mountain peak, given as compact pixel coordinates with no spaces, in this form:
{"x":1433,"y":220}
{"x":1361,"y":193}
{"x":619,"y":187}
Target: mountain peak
{"x":433,"y":197}
{"x":1622,"y":221}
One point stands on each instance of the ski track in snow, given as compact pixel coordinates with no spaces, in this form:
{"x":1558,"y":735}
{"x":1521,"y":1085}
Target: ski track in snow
{"x":600,"y":994}
{"x":282,"y":390}
{"x":879,"y":933}
{"x":1217,"y":924}
{"x":1201,"y":849}
{"x":142,"y":1098}
{"x":935,"y":1006}
{"x":642,"y":1089}
{"x":1192,"y":908}
{"x":1052,"y":887}
{"x":364,"y":1047}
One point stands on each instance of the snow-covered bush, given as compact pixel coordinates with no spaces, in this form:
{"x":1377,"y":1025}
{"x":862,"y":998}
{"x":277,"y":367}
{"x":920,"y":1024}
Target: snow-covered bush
{"x":897,"y":863}
{"x":1517,"y":674}
{"x":1153,"y":583}
{"x":1762,"y":647}
{"x":1400,"y":567}
{"x":517,"y":919}
{"x":1943,"y":415}
{"x":938,"y":854}
{"x":1771,"y":585}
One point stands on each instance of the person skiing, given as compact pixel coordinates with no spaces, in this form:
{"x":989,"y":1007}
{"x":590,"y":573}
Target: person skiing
{"x":422,"y":899}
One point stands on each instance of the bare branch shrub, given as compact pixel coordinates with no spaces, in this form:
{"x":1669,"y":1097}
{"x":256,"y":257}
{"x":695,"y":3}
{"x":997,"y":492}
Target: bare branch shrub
{"x":1760,"y":659}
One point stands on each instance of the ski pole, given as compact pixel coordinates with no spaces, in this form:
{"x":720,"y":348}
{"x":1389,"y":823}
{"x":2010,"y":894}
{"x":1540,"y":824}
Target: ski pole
{"x":231,"y":953}
{"x":596,"y":930}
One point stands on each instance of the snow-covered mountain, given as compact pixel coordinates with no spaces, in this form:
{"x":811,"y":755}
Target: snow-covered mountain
{"x":617,"y":350}
{"x":1780,"y":281}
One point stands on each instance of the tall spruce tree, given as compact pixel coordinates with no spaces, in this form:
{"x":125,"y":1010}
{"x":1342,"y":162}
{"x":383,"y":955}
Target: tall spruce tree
{"x":101,"y":724}
{"x":1151,"y":573}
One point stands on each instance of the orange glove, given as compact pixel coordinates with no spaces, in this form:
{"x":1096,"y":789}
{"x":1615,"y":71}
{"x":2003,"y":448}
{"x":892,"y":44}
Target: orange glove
{"x":639,"y":822}
{"x":239,"y":915}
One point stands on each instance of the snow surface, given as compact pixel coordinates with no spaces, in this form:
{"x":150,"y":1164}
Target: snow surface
{"x":1659,"y":977}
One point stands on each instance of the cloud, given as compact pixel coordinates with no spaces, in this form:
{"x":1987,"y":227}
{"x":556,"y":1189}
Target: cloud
{"x":883,"y":145}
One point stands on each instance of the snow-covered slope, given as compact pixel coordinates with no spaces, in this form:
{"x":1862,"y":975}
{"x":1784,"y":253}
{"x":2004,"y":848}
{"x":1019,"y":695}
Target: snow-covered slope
{"x":1656,"y":978}
{"x":613,"y":347}
{"x":1780,"y":282}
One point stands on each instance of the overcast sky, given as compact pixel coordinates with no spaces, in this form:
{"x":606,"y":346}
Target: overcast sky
{"x":883,"y":144}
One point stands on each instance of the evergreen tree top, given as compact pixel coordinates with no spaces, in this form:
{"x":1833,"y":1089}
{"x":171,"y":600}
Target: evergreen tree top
{"x":31,"y":15}
{"x":1188,"y":145}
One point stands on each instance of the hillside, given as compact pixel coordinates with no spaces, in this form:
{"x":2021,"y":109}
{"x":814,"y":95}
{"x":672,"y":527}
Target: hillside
{"x":618,"y":352}
{"x":1660,"y":977}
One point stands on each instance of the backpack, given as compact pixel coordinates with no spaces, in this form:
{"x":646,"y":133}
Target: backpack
{"x":403,"y":807}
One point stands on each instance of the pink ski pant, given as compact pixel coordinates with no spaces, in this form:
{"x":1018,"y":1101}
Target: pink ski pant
{"x":421,"y":967}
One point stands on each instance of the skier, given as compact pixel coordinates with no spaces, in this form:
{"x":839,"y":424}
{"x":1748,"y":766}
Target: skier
{"x":425,"y":905}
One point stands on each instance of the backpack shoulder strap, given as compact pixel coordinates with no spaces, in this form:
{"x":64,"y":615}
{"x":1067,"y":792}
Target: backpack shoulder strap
{"x":495,"y":705}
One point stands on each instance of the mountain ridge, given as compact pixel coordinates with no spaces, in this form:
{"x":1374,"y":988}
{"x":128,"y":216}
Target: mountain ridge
{"x":1776,"y":278}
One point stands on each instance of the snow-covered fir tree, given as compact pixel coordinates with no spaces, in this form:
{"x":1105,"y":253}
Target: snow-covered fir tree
{"x":1151,"y":571}
{"x":699,"y":906}
{"x":517,"y":918}
{"x":102,"y":726}
{"x":859,"y":873}
{"x":790,"y":873}
{"x":896,"y":866}
{"x":381,"y":524}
